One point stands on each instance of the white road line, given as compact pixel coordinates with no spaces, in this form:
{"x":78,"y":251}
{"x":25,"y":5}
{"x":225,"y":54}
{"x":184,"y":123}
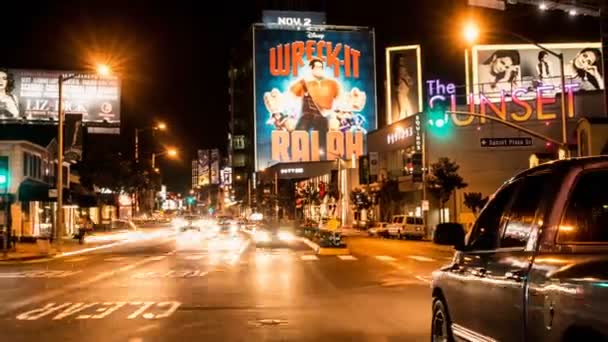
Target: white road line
{"x":126,"y":268}
{"x":115,"y":259}
{"x":4,"y":309}
{"x":309,"y":257}
{"x":385,"y":258}
{"x":157,"y":258}
{"x":346,"y":257}
{"x":194,"y":257}
{"x":421,"y":258}
{"x":424,"y":279}
{"x":76,"y":259}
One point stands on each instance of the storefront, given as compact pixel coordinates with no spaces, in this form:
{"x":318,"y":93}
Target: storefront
{"x":321,"y":189}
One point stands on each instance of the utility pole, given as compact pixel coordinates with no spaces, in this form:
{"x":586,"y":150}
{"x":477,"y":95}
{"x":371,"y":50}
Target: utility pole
{"x":276,"y":195}
{"x":59,"y":177}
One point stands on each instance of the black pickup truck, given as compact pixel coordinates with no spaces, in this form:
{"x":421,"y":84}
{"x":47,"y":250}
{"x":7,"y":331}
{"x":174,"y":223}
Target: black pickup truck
{"x":534,"y":266}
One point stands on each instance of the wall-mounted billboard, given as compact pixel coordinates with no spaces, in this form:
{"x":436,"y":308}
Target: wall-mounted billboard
{"x":33,"y":95}
{"x":504,"y":71}
{"x":315,"y":96}
{"x":403,"y":82}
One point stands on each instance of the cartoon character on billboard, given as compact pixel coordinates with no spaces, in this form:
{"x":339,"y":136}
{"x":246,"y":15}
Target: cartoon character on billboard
{"x":324,"y":106}
{"x":9,"y":104}
{"x":500,"y":72}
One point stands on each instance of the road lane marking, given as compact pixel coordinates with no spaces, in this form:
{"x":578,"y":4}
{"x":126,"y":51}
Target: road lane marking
{"x":385,"y":258}
{"x":425,"y":279}
{"x":170,"y":274}
{"x":309,"y":257}
{"x":114,"y":259}
{"x":146,"y":310}
{"x":7,"y":308}
{"x":157,"y":258}
{"x":76,"y":259}
{"x":421,"y":258}
{"x":40,"y":274}
{"x":346,"y":257}
{"x":194,"y":257}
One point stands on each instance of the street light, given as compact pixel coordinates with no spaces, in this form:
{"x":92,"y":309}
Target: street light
{"x":171,"y":152}
{"x":102,"y":70}
{"x":469,"y":34}
{"x":161,"y":126}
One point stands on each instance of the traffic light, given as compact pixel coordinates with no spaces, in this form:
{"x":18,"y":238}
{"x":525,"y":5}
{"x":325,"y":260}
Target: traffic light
{"x":4,"y":173}
{"x":438,"y":122}
{"x":417,"y":167}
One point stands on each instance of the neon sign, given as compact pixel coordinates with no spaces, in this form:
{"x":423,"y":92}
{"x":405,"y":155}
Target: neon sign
{"x":399,"y":134}
{"x":439,"y":92}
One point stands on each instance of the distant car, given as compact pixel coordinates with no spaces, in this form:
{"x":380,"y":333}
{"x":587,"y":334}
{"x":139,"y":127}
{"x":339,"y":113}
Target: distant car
{"x":408,"y":227}
{"x":379,"y":229}
{"x":272,"y":236}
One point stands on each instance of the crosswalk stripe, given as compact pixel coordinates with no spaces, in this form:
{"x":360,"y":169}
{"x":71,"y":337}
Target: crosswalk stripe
{"x":346,"y":257}
{"x":194,"y":257}
{"x":421,"y":258}
{"x":385,"y":258}
{"x":309,"y":257}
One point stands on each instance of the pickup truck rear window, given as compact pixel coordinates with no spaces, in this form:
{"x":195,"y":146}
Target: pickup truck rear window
{"x":586,"y":216}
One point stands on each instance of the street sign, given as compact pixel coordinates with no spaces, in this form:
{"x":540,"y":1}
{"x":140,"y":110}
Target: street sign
{"x":493,"y":4}
{"x":425,"y":205}
{"x":52,"y":193}
{"x":505,"y":142}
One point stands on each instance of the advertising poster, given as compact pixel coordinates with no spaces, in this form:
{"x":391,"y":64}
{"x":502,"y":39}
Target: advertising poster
{"x":403,"y":82}
{"x":524,"y":70}
{"x":33,"y":95}
{"x":315,"y":96}
{"x":73,"y":137}
{"x":203,"y":167}
{"x":215,"y":166}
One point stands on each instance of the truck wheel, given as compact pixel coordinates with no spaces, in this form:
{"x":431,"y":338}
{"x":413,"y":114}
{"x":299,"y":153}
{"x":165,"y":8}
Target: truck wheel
{"x":441,"y":330}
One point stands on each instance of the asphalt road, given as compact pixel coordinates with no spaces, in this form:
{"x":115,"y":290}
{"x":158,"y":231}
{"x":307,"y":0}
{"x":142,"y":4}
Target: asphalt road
{"x":188,"y":289}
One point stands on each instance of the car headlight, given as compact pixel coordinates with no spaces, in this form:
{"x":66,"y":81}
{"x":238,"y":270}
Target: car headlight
{"x":233,"y":228}
{"x":285,"y":236}
{"x":261,"y":236}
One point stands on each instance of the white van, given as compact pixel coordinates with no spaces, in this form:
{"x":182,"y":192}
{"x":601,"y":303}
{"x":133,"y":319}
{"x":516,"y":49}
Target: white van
{"x":409,"y":227}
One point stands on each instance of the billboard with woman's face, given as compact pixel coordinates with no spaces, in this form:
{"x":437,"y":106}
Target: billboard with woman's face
{"x":33,"y":95}
{"x":403,"y":82}
{"x":500,"y":70}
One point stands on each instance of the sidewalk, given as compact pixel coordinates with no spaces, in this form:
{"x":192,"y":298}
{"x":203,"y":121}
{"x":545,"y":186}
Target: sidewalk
{"x":41,"y":249}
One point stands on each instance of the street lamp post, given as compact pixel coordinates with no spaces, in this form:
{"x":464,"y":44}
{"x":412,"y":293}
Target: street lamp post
{"x":102,"y":70}
{"x":161,"y":126}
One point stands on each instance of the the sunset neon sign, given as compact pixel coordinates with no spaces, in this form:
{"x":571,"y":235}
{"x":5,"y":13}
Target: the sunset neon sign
{"x":480,"y":103}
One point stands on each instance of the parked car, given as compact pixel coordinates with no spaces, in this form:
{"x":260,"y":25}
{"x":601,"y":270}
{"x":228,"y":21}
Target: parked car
{"x":379,"y":229}
{"x":409,"y":227}
{"x":534,"y":267}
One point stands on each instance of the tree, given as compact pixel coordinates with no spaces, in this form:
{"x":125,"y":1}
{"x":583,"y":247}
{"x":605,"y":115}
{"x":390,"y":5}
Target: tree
{"x":444,"y":179}
{"x":389,"y":198}
{"x":474,"y":201}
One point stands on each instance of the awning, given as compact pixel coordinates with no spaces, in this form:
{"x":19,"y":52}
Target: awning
{"x":32,"y":190}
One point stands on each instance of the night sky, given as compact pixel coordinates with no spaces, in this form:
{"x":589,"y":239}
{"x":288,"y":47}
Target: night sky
{"x":172,"y":56}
